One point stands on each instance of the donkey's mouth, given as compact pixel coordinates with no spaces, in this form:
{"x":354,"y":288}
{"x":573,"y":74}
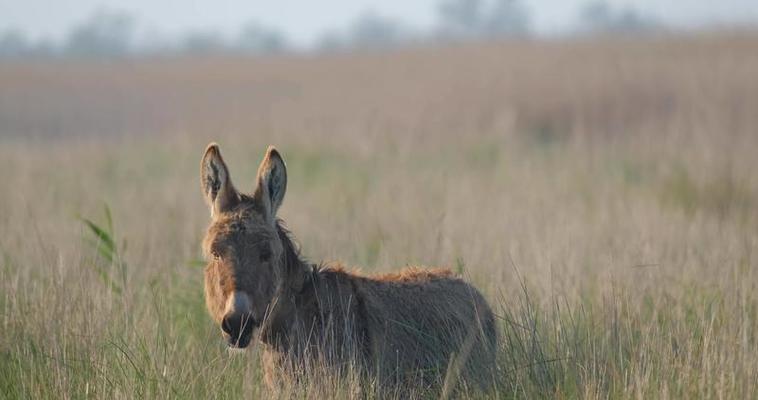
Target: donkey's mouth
{"x":238,"y":330}
{"x":240,"y":342}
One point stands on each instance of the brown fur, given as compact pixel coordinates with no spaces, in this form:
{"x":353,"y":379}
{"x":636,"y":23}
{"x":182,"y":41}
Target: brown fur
{"x":408,"y":329}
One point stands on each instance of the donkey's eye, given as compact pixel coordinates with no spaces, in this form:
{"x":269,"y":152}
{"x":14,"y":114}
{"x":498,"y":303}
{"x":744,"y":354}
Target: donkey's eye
{"x":265,"y":254}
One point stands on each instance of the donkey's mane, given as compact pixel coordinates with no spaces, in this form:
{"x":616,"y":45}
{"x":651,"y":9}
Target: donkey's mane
{"x":293,"y":259}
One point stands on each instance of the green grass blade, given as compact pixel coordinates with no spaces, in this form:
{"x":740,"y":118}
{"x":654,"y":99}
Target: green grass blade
{"x":101,"y":234}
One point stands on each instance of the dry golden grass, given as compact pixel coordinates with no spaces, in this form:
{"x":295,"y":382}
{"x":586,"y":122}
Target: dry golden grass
{"x":602,"y":194}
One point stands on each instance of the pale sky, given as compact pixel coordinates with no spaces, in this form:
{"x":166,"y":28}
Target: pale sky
{"x":303,"y":21}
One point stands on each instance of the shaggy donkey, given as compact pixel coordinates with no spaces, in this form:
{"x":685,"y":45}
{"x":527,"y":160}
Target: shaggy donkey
{"x":418,"y":328}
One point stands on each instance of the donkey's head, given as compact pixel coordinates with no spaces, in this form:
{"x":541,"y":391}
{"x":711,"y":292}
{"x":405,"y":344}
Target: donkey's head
{"x":244,"y":245}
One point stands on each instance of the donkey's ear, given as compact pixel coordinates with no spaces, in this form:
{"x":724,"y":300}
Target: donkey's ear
{"x":272,"y":181}
{"x":215,"y":181}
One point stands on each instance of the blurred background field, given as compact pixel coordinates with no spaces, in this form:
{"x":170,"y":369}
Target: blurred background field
{"x":599,"y":188}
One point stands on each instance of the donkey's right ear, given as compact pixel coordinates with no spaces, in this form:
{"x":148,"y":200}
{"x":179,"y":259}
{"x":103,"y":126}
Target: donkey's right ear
{"x":216,"y":183}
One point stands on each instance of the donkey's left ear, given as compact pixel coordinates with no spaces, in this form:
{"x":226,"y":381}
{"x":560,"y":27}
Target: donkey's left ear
{"x":216,"y":183}
{"x":272,"y":181}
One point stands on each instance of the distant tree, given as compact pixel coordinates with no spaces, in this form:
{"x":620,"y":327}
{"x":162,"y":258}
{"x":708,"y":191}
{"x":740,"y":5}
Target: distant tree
{"x":106,"y":33}
{"x":14,"y":44}
{"x":153,"y":42}
{"x":596,"y":14}
{"x":508,"y":18}
{"x":331,"y":40}
{"x":630,"y":20}
{"x":599,"y":16}
{"x":203,"y":42}
{"x":257,"y":38}
{"x":44,"y":48}
{"x":472,"y":19}
{"x":461,"y":18}
{"x":368,"y":31}
{"x":371,"y":30}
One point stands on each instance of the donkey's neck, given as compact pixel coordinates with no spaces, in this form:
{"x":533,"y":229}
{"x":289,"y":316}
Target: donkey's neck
{"x":298,"y":273}
{"x":296,"y":269}
{"x":275,"y":326}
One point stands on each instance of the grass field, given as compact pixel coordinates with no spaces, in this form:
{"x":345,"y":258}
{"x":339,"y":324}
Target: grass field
{"x":603,"y":194}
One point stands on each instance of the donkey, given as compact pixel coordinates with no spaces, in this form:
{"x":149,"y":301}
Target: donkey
{"x":418,"y":328}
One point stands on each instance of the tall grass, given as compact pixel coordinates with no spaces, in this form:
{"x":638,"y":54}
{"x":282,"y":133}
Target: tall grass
{"x":600,"y":193}
{"x":110,"y":259}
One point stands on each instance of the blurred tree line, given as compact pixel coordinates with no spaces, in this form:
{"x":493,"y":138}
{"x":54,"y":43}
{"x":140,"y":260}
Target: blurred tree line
{"x":115,"y":34}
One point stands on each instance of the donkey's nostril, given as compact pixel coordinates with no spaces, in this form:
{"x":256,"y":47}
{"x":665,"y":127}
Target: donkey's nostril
{"x":239,"y":327}
{"x":226,"y":326}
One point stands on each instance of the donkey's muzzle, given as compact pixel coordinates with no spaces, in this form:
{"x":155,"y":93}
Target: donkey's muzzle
{"x":238,"y":329}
